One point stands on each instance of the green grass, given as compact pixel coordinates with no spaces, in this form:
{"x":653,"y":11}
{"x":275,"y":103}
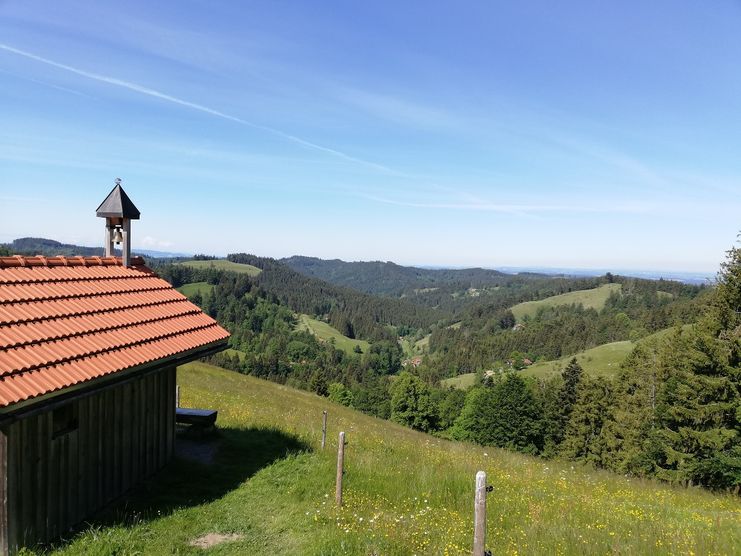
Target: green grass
{"x":223,"y":264}
{"x":604,"y":360}
{"x":462,"y":382}
{"x":423,"y":344}
{"x":590,"y":299}
{"x":203,"y":288}
{"x":325,"y":332}
{"x":405,"y":492}
{"x":231,"y":352}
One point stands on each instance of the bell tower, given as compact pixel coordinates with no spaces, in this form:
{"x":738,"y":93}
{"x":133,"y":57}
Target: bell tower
{"x":118,"y":211}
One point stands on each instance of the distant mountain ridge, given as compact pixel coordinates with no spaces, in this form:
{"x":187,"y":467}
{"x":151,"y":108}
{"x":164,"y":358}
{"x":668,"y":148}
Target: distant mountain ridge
{"x":388,"y":278}
{"x":50,"y":248}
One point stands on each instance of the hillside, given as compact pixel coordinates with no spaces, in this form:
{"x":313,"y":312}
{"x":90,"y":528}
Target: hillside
{"x":590,"y":299}
{"x":603,"y":360}
{"x":325,"y":332}
{"x":201,"y":288}
{"x":387,"y":278}
{"x":51,"y":248}
{"x":221,"y":264}
{"x":353,"y":313}
{"x":270,"y":490}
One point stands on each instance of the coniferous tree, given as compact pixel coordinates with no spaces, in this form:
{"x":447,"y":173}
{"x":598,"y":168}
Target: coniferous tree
{"x":516,"y":416}
{"x":630,"y":442}
{"x":553,"y":426}
{"x":582,"y":440}
{"x":699,"y":409}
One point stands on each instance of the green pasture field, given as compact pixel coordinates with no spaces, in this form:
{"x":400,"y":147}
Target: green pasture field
{"x":263,"y":486}
{"x":590,"y":299}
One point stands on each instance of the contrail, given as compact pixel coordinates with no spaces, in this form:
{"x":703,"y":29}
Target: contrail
{"x":201,"y":108}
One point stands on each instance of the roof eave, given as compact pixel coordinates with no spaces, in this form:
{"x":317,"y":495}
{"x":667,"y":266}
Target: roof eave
{"x":20,"y":409}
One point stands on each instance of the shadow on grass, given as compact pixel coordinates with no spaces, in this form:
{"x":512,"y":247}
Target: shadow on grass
{"x":235,"y":455}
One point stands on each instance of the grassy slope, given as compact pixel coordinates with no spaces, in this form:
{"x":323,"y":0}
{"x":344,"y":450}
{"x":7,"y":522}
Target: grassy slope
{"x":223,"y":264}
{"x":603,"y":360}
{"x":232,"y":352}
{"x":189,"y":290}
{"x":405,"y":492}
{"x":325,"y":332}
{"x":594,"y":298}
{"x":461,"y":381}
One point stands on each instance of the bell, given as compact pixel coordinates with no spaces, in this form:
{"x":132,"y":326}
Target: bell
{"x":117,"y":236}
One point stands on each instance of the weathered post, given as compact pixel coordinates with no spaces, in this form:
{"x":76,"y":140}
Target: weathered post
{"x":324,"y":428}
{"x":479,"y":509}
{"x":340,"y":469}
{"x":177,"y":396}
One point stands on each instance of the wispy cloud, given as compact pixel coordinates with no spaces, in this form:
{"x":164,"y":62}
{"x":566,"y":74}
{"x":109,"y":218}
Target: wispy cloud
{"x":509,"y":208}
{"x":50,"y":85}
{"x":399,"y":110}
{"x":149,"y":241}
{"x":23,"y":199}
{"x":195,"y":106}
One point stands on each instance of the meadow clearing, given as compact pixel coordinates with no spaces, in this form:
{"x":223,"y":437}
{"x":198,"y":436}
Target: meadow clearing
{"x":326,"y":332}
{"x":202,"y":288}
{"x":270,"y":490}
{"x":590,"y":299}
{"x":223,"y":264}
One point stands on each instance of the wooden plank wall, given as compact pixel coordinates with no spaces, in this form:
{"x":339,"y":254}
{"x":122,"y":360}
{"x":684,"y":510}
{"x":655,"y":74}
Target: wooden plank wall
{"x":123,"y":435}
{"x":3,"y":493}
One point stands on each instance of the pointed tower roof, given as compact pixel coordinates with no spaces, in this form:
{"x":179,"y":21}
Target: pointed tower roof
{"x":118,"y":205}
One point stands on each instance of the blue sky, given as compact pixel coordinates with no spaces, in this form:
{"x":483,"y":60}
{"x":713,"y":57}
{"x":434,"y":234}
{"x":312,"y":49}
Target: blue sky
{"x":582,"y":134}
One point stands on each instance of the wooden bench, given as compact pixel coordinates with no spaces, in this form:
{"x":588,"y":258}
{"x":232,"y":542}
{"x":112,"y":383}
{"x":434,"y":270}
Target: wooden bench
{"x":202,"y":418}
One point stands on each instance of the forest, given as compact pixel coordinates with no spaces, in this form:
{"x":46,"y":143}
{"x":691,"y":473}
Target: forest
{"x":671,"y":411}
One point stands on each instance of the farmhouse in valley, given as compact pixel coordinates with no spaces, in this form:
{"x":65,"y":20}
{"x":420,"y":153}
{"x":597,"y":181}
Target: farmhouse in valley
{"x":88,"y":354}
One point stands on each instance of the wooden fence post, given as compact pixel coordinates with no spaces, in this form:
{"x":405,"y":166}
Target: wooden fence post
{"x":177,"y":396}
{"x":324,"y":428}
{"x":340,"y":469}
{"x":479,"y":508}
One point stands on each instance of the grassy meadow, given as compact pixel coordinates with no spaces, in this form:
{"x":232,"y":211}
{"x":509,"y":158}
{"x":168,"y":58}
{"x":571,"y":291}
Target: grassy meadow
{"x":603,"y":360}
{"x":412,"y":348}
{"x":462,"y":382}
{"x":223,"y":264}
{"x":590,"y":299}
{"x":325,"y":332}
{"x":203,"y":288}
{"x":269,"y":489}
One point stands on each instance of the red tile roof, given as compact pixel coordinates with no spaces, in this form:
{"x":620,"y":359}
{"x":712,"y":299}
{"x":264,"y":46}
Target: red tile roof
{"x":68,"y":320}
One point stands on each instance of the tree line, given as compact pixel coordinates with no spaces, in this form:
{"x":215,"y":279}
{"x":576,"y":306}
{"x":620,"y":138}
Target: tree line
{"x":672,"y":411}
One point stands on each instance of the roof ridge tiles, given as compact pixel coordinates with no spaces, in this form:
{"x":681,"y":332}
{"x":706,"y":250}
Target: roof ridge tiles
{"x":15,"y":261}
{"x":96,"y":348}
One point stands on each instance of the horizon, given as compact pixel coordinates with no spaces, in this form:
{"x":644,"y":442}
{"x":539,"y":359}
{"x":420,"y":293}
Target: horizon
{"x":677,"y":274}
{"x":354,"y":132}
